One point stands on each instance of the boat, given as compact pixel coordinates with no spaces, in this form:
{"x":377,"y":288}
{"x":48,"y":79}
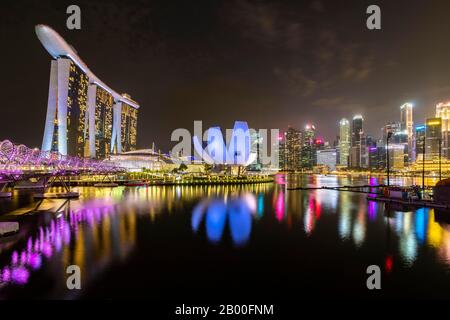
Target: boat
{"x":135,"y":183}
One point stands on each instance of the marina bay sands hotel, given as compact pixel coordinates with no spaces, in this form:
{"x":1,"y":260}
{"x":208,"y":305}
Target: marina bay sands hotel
{"x":85,"y":117}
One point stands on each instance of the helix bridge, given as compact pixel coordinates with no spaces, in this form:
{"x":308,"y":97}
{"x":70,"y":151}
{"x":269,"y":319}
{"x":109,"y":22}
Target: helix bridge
{"x":21,"y":163}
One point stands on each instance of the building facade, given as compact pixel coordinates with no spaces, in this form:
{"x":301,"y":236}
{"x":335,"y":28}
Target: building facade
{"x":420,"y":142}
{"x":308,"y":149}
{"x":327,"y":157}
{"x":344,"y":142}
{"x":433,"y":138}
{"x":292,"y":147}
{"x":443,"y":112}
{"x":85,"y":117}
{"x":356,"y":151}
{"x":407,"y":126}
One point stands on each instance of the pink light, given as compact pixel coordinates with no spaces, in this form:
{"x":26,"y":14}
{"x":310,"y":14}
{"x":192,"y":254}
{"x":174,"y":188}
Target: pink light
{"x":279,"y":210}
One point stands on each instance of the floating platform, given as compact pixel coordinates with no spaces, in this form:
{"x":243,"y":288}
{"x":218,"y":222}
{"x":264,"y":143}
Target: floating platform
{"x":5,"y":194}
{"x":57,"y":195}
{"x":8,"y":228}
{"x":414,"y":203}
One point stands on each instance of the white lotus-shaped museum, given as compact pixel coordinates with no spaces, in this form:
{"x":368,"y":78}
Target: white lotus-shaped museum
{"x":216,"y":151}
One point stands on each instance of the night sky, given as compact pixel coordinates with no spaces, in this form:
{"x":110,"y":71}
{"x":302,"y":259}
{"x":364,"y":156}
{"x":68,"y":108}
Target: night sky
{"x":271,"y":63}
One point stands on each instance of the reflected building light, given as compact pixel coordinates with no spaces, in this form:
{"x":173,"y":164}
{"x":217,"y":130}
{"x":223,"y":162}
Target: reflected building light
{"x":421,"y":218}
{"x":398,"y":218}
{"x":240,"y":220}
{"x":359,"y":228}
{"x":309,"y":221}
{"x":408,"y":248}
{"x":250,"y":201}
{"x":372,"y":210}
{"x":49,"y":239}
{"x":389,"y":263}
{"x":238,"y":210}
{"x":260,"y":205}
{"x":435,"y":231}
{"x":344,"y":225}
{"x":279,"y":208}
{"x":215,"y":220}
{"x":407,"y":222}
{"x":444,"y":251}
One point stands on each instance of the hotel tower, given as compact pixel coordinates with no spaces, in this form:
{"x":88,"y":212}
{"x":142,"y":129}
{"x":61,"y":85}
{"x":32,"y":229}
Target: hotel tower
{"x":85,"y":117}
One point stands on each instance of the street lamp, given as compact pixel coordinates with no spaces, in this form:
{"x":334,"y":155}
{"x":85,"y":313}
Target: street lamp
{"x":389,"y":135}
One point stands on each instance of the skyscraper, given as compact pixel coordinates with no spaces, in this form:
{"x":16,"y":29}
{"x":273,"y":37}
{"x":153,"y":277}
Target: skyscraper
{"x":443,"y":112}
{"x":85,"y":117}
{"x":433,"y":138}
{"x":293,"y":140}
{"x":308,"y":156}
{"x":420,"y":140}
{"x":406,"y":120}
{"x":357,"y":128}
{"x":391,"y":127}
{"x":344,"y":142}
{"x":356,"y":149}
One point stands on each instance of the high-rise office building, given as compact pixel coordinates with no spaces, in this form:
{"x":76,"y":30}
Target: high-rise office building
{"x":308,"y":155}
{"x":391,"y":127}
{"x":406,"y":120}
{"x":282,"y":152}
{"x":396,"y":156}
{"x":344,"y":142}
{"x":420,"y":141}
{"x":443,"y":112}
{"x":356,"y":149}
{"x":357,"y":128}
{"x":433,"y":138}
{"x":327,"y":157}
{"x":292,"y":147}
{"x":85,"y":117}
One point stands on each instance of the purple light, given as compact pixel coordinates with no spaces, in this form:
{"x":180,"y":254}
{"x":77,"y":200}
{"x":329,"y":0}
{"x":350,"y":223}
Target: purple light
{"x":15,"y":258}
{"x":20,"y":275}
{"x":6,"y":275}
{"x":34,"y":261}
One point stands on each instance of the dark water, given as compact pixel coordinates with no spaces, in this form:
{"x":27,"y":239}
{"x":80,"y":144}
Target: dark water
{"x":218,"y":242}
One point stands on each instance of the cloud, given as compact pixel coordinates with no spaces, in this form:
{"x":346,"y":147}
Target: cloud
{"x":317,"y":6}
{"x":267,"y":24}
{"x":297,"y":81}
{"x":328,"y":102}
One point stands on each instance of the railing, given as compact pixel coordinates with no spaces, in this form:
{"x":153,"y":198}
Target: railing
{"x":16,"y":159}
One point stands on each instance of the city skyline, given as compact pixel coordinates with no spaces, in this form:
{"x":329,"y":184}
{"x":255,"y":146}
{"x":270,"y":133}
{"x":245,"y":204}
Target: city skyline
{"x":199,"y":56}
{"x":191,"y":152}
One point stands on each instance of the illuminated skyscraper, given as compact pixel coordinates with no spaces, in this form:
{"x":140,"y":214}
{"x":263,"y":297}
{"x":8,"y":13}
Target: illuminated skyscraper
{"x":308,"y":149}
{"x":433,"y":137}
{"x":83,"y":113}
{"x":420,"y":140}
{"x":344,"y":142}
{"x":391,"y":127}
{"x":357,"y":134}
{"x":292,"y":147}
{"x":406,"y":120}
{"x":125,"y":127}
{"x":443,"y":112}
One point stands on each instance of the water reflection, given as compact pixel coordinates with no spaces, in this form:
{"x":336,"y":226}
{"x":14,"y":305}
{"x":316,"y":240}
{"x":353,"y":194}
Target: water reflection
{"x":237,"y":210}
{"x":110,"y":227}
{"x":88,"y":236}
